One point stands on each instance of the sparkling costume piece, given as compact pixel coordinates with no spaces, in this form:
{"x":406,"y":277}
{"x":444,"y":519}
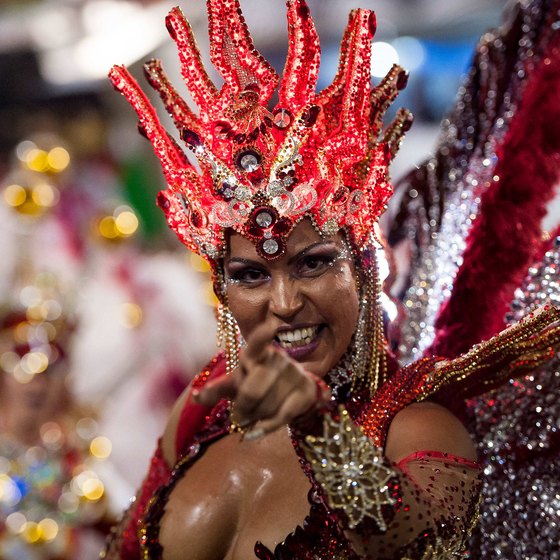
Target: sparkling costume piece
{"x":508,"y":108}
{"x":339,"y":458}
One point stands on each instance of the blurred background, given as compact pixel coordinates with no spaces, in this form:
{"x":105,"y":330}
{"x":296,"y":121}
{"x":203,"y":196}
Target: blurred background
{"x":83,"y":245}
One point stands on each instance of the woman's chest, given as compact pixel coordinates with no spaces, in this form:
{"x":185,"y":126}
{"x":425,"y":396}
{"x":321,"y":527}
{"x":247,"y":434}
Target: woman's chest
{"x":236,"y":494}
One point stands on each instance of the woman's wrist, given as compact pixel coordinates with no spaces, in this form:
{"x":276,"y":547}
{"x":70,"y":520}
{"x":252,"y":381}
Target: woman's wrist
{"x":310,"y":422}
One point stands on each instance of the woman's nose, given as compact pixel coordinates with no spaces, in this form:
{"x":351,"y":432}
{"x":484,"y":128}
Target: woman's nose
{"x":286,"y":299}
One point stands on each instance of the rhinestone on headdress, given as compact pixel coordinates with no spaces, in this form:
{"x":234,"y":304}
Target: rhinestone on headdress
{"x":261,"y":171}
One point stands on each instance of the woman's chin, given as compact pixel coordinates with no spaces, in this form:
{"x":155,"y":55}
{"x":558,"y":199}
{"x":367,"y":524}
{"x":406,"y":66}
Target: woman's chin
{"x":314,"y":356}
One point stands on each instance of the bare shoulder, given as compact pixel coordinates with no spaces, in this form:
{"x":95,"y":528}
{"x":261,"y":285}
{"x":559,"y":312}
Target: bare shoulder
{"x":427,"y":426}
{"x":168,"y":440}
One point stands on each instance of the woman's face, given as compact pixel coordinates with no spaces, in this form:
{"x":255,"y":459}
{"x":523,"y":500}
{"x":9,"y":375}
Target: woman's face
{"x":309,"y":295}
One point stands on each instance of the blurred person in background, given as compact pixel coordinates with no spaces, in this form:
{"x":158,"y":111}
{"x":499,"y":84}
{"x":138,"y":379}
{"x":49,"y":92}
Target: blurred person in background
{"x":52,"y":496}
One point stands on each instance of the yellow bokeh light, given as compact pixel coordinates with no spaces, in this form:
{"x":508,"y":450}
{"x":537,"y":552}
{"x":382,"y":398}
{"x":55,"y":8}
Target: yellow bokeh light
{"x":93,"y":489}
{"x":48,"y":529}
{"x":22,"y":376}
{"x":58,"y":159}
{"x":21,"y":332}
{"x":45,"y":195}
{"x":131,"y":315}
{"x":35,"y":313}
{"x":35,"y":362}
{"x":37,"y":160}
{"x":31,"y":532}
{"x":8,"y":361}
{"x":101,"y":447}
{"x":126,"y":223}
{"x":198,"y":263}
{"x":211,"y":298}
{"x":15,"y":195}
{"x":107,"y":227}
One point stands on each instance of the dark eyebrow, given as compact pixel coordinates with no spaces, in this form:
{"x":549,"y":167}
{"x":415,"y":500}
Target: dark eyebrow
{"x":304,"y":252}
{"x":241,"y":260}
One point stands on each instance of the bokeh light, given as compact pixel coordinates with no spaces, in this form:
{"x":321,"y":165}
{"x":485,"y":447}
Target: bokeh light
{"x":126,"y":223}
{"x":131,"y":315}
{"x":383,"y":56}
{"x":100,"y":447}
{"x":122,"y":224}
{"x":412,"y":53}
{"x":48,"y":529}
{"x":58,"y":159}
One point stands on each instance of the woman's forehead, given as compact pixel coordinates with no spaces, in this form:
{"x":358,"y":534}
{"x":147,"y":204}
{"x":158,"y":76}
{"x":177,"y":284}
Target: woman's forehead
{"x":301,"y":237}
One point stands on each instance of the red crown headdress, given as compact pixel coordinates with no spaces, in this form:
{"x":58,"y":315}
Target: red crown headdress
{"x":321,"y":155}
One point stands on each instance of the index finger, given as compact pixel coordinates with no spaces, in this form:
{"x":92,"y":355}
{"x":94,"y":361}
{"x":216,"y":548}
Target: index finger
{"x":259,"y":341}
{"x":215,"y":390}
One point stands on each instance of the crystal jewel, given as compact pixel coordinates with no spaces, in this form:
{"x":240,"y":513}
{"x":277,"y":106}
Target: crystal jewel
{"x":270,"y":246}
{"x":264,"y":219}
{"x":282,"y":118}
{"x":249,"y":161}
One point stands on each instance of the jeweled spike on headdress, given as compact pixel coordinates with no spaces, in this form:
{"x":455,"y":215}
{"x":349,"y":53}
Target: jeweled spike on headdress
{"x":297,"y":88}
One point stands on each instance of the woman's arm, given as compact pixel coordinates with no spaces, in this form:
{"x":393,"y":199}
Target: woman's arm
{"x":427,"y":425}
{"x":169,"y":437}
{"x":419,"y":495}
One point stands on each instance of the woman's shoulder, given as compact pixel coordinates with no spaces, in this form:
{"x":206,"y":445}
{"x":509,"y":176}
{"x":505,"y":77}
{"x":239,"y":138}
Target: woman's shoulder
{"x":186,"y":417}
{"x":427,"y":426}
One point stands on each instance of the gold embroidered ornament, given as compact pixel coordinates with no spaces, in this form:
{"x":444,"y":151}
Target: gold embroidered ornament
{"x":351,"y":471}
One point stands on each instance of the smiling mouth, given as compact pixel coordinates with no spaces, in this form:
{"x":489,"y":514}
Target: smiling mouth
{"x":297,"y":338}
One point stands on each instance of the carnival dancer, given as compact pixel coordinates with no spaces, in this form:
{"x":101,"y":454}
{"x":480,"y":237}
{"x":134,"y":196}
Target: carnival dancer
{"x":300,"y":440}
{"x":483,"y":220}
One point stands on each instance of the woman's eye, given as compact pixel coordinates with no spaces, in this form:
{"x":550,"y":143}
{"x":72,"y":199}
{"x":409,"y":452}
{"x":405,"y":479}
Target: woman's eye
{"x":247,"y":276}
{"x":316,"y":263}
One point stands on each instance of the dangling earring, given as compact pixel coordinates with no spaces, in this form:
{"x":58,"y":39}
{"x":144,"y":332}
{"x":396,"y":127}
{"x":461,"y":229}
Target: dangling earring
{"x":369,"y":361}
{"x":227,"y":336}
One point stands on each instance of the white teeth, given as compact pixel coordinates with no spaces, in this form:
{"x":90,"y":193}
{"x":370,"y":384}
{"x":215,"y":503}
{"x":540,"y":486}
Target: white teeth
{"x":297,"y":337}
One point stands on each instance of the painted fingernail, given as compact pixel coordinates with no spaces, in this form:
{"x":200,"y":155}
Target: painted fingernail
{"x":254,"y":434}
